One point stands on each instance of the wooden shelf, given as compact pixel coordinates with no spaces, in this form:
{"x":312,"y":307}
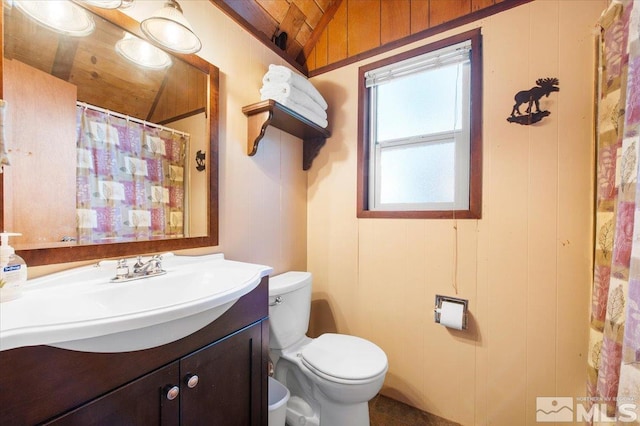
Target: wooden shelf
{"x":271,"y":113}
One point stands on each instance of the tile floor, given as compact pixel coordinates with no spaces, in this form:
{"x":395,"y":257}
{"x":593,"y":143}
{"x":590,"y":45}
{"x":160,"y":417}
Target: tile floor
{"x":384,"y":411}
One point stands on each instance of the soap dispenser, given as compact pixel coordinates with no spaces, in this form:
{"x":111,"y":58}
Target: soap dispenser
{"x":13,"y":269}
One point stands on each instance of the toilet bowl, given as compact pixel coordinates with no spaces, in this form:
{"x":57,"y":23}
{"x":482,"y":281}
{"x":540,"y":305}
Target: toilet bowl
{"x":331,"y":378}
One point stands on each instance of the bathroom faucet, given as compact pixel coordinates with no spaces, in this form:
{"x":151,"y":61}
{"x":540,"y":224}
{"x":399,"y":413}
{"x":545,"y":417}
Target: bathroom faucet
{"x":150,"y":268}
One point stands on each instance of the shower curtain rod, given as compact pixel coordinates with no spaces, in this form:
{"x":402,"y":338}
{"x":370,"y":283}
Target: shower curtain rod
{"x":126,"y":117}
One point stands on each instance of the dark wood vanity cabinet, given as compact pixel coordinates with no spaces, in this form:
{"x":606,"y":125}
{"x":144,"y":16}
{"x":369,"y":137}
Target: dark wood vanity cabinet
{"x":225,"y":394}
{"x":142,"y":402}
{"x":212,"y":386}
{"x":216,"y":376}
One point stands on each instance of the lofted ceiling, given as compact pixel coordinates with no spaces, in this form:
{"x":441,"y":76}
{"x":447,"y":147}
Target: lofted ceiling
{"x":321,"y":35}
{"x":325,"y":34}
{"x":302,"y":21}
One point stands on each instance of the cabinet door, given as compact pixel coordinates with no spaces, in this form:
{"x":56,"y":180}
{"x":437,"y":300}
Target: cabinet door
{"x":143,"y":402}
{"x":229,"y":386}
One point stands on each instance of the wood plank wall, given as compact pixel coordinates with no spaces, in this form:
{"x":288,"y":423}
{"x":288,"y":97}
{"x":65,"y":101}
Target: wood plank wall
{"x":360,"y":26}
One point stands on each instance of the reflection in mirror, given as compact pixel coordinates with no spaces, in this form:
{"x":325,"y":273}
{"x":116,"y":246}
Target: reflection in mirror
{"x":103,"y":150}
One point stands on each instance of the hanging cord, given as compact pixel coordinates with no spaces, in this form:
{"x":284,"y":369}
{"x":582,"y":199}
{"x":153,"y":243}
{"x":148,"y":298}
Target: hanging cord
{"x":455,"y":254}
{"x":455,"y":220}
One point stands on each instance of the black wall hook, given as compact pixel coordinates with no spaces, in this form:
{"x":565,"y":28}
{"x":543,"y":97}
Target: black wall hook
{"x":200,"y":161}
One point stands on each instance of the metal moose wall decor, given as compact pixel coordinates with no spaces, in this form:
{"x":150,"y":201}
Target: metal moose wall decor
{"x":532,"y":97}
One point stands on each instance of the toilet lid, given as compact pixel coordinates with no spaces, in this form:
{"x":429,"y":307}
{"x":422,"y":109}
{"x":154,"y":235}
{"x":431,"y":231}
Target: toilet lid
{"x":344,"y":357}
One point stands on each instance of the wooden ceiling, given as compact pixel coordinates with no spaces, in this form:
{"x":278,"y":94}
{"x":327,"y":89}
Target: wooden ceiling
{"x":321,"y":35}
{"x":301,"y":20}
{"x":326,"y":34}
{"x":102,"y":76}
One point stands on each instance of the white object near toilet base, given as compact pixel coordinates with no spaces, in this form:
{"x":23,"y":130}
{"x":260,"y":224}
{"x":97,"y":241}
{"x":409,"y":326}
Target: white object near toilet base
{"x":278,"y":398}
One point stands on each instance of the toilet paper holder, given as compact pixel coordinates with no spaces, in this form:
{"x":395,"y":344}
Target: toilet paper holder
{"x":463,"y":302}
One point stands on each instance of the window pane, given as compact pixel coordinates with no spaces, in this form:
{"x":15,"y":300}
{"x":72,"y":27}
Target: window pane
{"x":418,"y":173}
{"x":424,"y":103}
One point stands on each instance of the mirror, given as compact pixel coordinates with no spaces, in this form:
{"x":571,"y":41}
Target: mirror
{"x":182,"y":97}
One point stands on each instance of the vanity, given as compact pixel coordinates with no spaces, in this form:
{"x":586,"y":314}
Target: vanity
{"x":215,"y":375}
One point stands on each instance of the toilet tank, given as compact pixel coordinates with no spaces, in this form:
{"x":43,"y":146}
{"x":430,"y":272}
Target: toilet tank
{"x":289,"y":307}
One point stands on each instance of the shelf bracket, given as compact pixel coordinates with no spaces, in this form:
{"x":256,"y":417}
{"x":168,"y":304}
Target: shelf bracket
{"x":257,"y":127}
{"x":271,"y":113}
{"x":310,"y":150}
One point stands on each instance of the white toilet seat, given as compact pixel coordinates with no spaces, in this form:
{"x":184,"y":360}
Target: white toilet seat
{"x":344,"y":359}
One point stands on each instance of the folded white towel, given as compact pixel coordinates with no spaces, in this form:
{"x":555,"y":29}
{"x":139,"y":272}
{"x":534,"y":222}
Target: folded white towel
{"x":281,"y":91}
{"x":303,"y":111}
{"x":282,"y":74}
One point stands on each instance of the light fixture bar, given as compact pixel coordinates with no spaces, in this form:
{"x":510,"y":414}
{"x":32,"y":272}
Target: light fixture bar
{"x":105,"y":4}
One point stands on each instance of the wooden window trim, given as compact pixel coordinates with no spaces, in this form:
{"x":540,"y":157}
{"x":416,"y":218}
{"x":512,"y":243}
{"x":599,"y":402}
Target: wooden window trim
{"x":475,"y":160}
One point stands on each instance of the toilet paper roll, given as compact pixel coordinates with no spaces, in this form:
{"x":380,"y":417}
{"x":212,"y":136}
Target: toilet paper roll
{"x":452,"y":315}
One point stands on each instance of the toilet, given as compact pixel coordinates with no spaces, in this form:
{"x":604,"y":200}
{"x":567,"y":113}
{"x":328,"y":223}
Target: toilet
{"x":331,"y":378}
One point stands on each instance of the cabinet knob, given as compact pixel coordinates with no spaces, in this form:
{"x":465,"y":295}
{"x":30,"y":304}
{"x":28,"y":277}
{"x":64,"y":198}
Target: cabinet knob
{"x":191,"y":380}
{"x":171,"y":392}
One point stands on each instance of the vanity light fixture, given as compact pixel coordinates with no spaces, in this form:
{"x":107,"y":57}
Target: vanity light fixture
{"x":169,"y":28}
{"x":142,"y":53}
{"x":58,"y":15}
{"x":108,"y":4}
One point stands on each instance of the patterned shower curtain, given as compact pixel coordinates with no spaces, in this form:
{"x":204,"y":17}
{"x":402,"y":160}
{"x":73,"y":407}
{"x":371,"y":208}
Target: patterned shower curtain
{"x":614,"y":372}
{"x":130,"y":180}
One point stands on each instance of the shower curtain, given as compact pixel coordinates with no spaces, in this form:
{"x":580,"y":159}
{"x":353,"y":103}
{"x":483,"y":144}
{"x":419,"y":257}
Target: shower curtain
{"x":130,"y":179}
{"x":614,"y":348}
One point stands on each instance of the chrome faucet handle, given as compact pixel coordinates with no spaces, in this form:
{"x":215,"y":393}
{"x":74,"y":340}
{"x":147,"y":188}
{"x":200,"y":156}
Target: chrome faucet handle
{"x":138,"y":263}
{"x":156,"y":263}
{"x":122,"y":269}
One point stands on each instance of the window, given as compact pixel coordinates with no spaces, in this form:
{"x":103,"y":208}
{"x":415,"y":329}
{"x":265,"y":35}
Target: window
{"x":420,"y":136}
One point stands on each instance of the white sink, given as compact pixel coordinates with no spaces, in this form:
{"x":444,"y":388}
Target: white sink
{"x":80,"y":309}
